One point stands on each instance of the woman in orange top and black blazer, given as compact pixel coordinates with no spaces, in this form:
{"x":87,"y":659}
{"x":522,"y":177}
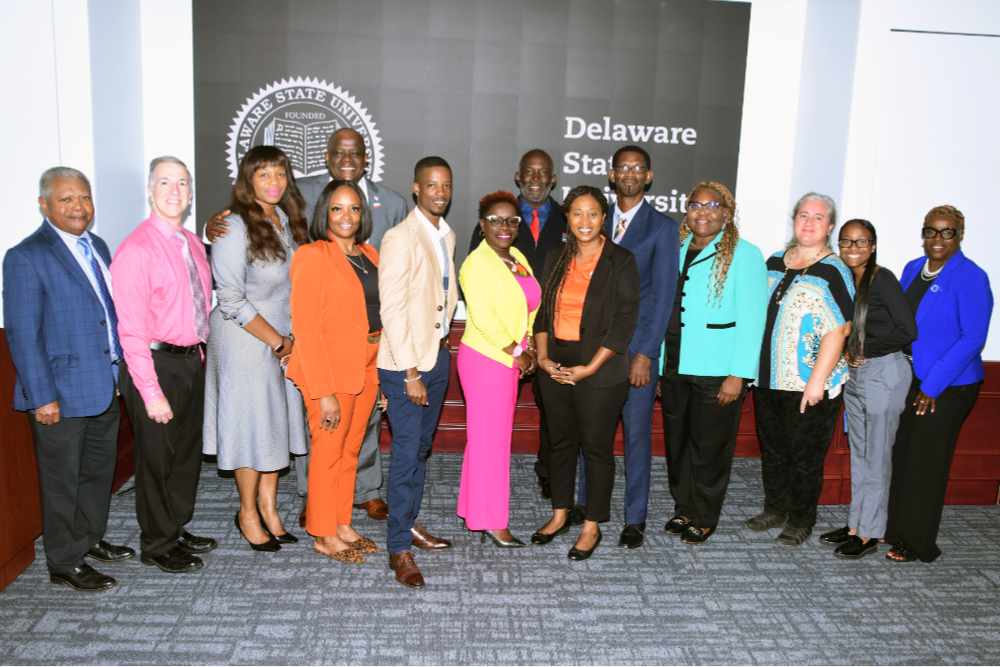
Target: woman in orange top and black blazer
{"x":590,"y":305}
{"x":336,"y":324}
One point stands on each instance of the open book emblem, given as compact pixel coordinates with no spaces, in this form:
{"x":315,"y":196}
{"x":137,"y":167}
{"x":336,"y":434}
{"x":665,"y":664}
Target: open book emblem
{"x":298,"y":115}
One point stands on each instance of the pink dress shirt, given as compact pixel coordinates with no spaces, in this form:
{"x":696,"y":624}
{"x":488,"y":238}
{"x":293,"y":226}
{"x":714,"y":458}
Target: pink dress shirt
{"x":153,"y":297}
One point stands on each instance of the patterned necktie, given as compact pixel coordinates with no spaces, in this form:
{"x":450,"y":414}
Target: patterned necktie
{"x":536,"y":224}
{"x":620,"y":229}
{"x":103,"y":292}
{"x":200,"y":318}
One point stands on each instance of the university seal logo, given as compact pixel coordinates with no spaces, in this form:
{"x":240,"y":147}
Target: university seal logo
{"x":298,"y":115}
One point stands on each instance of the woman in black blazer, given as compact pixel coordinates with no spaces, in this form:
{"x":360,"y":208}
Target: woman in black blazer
{"x":590,"y":302}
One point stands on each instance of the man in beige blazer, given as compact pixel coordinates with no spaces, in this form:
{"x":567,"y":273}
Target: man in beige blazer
{"x":418,"y":294}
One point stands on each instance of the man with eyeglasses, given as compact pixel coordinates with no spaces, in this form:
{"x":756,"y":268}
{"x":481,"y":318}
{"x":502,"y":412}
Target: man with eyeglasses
{"x":542,"y":227}
{"x":346,"y":160}
{"x":653,"y":238}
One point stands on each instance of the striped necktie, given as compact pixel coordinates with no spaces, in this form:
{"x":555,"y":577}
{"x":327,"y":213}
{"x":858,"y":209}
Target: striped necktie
{"x":103,"y":292}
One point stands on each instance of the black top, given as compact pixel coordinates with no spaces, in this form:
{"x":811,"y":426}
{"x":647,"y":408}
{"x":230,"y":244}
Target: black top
{"x":673,"y":341}
{"x":889,"y":325}
{"x":914,"y":295}
{"x":367,"y":273}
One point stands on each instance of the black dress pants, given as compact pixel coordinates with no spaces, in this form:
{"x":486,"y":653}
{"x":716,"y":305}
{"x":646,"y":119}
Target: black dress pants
{"x":581,"y":417}
{"x":544,"y":446}
{"x":167,"y":456}
{"x":700,"y":439}
{"x":76,"y":466}
{"x":921,"y":461}
{"x":793,"y":448}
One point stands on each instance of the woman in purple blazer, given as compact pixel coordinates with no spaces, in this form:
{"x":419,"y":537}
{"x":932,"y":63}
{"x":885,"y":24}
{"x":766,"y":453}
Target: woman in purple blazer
{"x":952,"y":301}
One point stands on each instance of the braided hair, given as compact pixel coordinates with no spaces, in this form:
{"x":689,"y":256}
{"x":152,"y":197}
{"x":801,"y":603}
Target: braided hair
{"x":726,"y":246}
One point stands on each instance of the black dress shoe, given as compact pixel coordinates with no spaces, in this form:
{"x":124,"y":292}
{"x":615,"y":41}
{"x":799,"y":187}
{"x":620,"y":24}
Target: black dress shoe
{"x":793,"y":536}
{"x":695,"y":535}
{"x":633,"y":535}
{"x":512,"y":543}
{"x":110,"y":553}
{"x":284,"y":538}
{"x":855,"y":548}
{"x":176,"y":560}
{"x":838,"y":536}
{"x":196,"y":545}
{"x":677,"y":524}
{"x":576,"y":516}
{"x":84,"y":578}
{"x":766,"y":520}
{"x":270,"y":546}
{"x":580,"y":554}
{"x":544,"y":538}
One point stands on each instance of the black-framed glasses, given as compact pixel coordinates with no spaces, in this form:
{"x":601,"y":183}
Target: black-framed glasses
{"x":947,"y":233}
{"x":861,"y":243}
{"x":497,"y":221}
{"x":700,"y":205}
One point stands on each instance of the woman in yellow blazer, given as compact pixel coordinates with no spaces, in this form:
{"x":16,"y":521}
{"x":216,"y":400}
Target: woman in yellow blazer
{"x":335,"y":318}
{"x":501,"y":297}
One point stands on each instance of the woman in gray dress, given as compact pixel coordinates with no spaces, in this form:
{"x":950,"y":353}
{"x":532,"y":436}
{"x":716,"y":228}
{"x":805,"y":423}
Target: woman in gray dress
{"x":254,"y":416}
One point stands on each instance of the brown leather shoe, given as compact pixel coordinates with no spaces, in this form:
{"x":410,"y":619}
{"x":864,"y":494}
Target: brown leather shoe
{"x":424,"y":540}
{"x":407,"y":572}
{"x":376,"y":508}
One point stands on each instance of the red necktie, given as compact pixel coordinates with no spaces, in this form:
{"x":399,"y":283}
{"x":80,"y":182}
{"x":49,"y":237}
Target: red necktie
{"x":536,"y":225}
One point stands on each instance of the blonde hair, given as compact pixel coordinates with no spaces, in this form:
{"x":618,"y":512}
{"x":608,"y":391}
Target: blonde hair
{"x":726,"y":246}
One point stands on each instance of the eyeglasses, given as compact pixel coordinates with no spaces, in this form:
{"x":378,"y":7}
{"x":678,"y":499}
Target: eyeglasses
{"x":700,"y":205}
{"x":947,"y":233}
{"x":497,"y":221}
{"x":630,"y":169}
{"x":861,"y":243}
{"x":338,"y":155}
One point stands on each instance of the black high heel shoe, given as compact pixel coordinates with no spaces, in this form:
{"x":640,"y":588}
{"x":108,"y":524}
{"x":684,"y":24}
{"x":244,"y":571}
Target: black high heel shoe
{"x":538,"y":537}
{"x":270,"y":546}
{"x":284,"y":538}
{"x":580,"y":554}
{"x":512,"y":543}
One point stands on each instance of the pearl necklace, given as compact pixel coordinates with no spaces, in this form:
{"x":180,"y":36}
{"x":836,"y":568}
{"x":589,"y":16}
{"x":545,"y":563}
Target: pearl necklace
{"x":925,"y":272}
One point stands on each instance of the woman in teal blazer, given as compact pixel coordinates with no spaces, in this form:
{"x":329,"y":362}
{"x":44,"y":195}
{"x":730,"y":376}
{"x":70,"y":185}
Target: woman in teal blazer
{"x":712,"y":351}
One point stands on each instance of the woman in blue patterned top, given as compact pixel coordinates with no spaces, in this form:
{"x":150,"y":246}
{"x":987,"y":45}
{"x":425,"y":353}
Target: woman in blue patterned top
{"x":802,"y":369}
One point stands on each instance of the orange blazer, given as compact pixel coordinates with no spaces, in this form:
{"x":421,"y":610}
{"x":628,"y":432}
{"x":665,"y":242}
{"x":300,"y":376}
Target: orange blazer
{"x":329,"y":320}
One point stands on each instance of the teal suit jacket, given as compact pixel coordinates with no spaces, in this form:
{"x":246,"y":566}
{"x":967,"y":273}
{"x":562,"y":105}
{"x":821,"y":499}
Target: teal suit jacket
{"x":722,"y":336}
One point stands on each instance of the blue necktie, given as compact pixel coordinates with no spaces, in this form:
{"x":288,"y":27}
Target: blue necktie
{"x":105,"y":293}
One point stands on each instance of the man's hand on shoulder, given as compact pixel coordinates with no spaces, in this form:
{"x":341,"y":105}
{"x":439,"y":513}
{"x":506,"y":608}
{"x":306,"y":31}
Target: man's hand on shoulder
{"x":217,"y":227}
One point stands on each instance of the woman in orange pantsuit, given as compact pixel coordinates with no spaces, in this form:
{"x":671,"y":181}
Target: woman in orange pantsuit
{"x":335,"y":320}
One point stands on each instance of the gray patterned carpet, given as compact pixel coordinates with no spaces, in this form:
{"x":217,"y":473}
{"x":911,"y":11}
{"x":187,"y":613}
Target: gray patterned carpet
{"x":739,"y":599}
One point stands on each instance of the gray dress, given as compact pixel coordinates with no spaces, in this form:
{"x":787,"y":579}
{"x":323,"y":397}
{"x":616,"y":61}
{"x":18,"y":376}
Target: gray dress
{"x":253,"y":415}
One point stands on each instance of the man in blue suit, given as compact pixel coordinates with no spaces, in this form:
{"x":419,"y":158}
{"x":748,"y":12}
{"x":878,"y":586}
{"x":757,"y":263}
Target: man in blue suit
{"x":62,"y":332}
{"x":652,"y":237}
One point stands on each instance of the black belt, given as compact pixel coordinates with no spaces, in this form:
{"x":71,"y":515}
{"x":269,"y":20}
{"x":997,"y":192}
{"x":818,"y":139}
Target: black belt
{"x":175,"y":349}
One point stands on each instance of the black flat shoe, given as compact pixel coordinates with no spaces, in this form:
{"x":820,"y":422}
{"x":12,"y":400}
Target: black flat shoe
{"x":110,"y":553}
{"x":580,"y":554}
{"x":695,"y":535}
{"x":855,"y":548}
{"x":194,"y":544}
{"x":544,"y":538}
{"x":270,"y":546}
{"x":284,"y":538}
{"x":677,"y":524}
{"x":512,"y":543}
{"x":175,"y":561}
{"x":632,"y":536}
{"x":84,"y":579}
{"x":838,"y":536}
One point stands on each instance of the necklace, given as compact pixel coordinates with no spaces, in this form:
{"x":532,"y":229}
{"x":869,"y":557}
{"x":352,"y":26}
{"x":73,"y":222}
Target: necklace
{"x":511,"y":264}
{"x":926,"y":274}
{"x":360,"y":266}
{"x":786,"y":284}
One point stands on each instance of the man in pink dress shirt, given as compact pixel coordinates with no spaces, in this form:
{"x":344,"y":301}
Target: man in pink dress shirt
{"x":162,"y":290}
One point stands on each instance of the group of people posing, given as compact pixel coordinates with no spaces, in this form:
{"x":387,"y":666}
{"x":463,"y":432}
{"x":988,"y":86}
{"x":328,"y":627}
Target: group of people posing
{"x":334,"y":301}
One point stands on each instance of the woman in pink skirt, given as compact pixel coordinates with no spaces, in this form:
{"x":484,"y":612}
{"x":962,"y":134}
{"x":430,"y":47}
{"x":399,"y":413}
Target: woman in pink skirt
{"x":501,"y":297}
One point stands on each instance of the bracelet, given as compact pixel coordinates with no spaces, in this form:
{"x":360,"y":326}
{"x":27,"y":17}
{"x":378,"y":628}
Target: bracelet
{"x":280,"y":346}
{"x":408,"y":380}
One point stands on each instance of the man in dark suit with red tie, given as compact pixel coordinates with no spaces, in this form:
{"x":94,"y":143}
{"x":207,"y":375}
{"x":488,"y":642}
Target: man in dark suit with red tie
{"x":542,"y":228}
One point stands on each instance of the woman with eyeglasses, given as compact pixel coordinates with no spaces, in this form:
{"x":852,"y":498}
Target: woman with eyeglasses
{"x":875,"y":394}
{"x":711,"y":353}
{"x":501,"y":297}
{"x":951,"y":298}
{"x":802,"y":369}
